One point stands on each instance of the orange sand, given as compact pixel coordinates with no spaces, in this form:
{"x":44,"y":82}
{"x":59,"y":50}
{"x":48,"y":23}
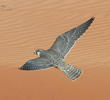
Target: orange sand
{"x":26,"y":25}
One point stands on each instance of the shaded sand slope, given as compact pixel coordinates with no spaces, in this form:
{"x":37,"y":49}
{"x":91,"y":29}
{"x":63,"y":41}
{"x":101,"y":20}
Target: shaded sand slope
{"x":26,"y":25}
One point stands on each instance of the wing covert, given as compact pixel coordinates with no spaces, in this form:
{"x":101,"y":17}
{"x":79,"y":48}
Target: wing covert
{"x":65,"y":41}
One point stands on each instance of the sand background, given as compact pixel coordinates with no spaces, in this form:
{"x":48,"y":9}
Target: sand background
{"x":26,"y":25}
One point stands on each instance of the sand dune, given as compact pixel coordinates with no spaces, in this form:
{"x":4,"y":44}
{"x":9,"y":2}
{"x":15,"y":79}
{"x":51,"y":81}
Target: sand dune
{"x":26,"y":25}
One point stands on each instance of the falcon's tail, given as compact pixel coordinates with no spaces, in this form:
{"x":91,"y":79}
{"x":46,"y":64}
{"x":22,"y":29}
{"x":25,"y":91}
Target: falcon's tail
{"x":71,"y":72}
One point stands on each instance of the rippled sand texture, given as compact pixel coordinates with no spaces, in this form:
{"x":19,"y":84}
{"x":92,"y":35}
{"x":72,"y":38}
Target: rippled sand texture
{"x":29,"y":24}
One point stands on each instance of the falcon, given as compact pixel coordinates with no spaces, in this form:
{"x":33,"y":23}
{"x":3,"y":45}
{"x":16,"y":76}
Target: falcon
{"x":55,"y":55}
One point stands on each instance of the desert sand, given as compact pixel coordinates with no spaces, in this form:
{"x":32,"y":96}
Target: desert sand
{"x":27,"y":25}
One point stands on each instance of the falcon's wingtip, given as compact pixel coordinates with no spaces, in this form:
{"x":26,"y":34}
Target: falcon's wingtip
{"x":21,"y":68}
{"x":92,"y":19}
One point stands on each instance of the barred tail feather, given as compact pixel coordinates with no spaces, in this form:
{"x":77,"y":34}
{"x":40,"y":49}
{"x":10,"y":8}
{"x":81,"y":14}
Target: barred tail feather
{"x":71,"y":72}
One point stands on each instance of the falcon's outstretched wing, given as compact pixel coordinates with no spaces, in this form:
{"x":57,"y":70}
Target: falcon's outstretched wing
{"x":37,"y":63}
{"x":64,"y":42}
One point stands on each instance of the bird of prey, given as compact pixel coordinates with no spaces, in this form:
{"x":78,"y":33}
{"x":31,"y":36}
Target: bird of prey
{"x":54,"y":56}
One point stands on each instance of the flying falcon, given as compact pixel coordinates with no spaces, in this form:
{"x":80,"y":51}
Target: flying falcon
{"x":54,"y":56}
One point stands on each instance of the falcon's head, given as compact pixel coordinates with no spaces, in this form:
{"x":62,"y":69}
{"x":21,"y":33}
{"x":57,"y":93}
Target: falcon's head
{"x":38,"y":52}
